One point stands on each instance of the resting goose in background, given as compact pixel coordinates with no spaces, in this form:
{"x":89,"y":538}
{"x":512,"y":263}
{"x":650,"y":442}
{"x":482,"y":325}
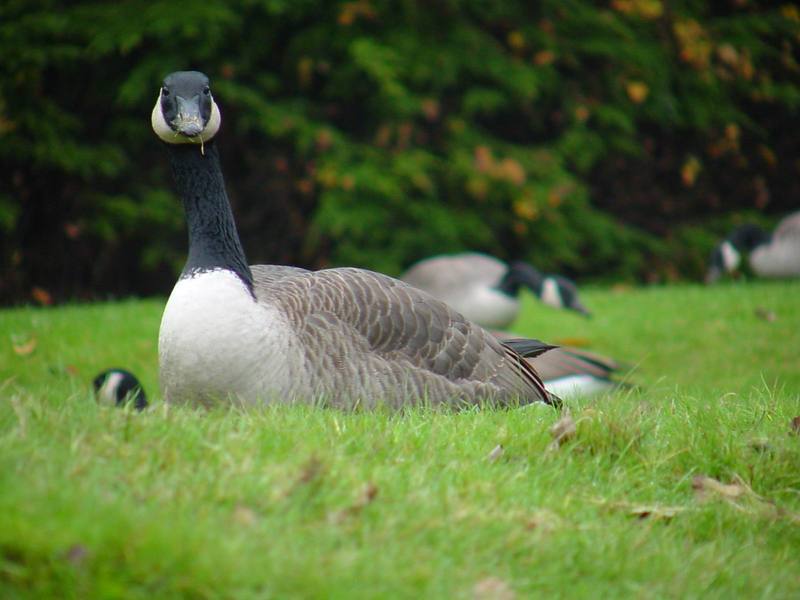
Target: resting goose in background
{"x":484,"y":289}
{"x":774,"y":255}
{"x":572,"y":372}
{"x":118,"y":387}
{"x":345,"y":337}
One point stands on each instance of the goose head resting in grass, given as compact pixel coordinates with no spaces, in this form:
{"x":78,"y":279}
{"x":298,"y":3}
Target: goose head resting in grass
{"x":345,"y":337}
{"x":775,"y":254}
{"x":485,"y":289}
{"x":118,"y":387}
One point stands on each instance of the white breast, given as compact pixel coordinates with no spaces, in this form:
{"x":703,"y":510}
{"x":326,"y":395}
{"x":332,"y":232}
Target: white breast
{"x":108,"y":392}
{"x":575,"y":386}
{"x":217,"y":343}
{"x":486,"y":306}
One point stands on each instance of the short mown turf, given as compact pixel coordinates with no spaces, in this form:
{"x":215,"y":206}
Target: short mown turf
{"x":687,"y":486}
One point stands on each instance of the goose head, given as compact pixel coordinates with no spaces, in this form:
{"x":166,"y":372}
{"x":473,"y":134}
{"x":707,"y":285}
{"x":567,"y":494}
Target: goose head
{"x":727,"y":256}
{"x":117,"y":387}
{"x":553,"y":290}
{"x":185,"y":111}
{"x":561,"y":292}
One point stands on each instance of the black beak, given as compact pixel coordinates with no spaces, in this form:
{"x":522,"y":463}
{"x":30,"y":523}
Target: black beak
{"x":189,"y":122}
{"x":580,"y":308}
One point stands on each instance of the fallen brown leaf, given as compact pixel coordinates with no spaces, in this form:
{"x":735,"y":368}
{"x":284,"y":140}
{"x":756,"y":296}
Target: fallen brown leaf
{"x":493,"y":588}
{"x":706,"y":487}
{"x":25,"y":348}
{"x":643,"y":511}
{"x":311,"y":471}
{"x":495,"y":454}
{"x":741,"y":496}
{"x":244,"y":515}
{"x":655,"y":512}
{"x":766,"y":314}
{"x":367,"y":495}
{"x":543,"y":520}
{"x":795,"y":425}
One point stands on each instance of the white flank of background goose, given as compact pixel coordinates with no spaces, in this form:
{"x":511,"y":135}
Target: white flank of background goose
{"x":484,"y":289}
{"x":774,"y":255}
{"x":571,"y":372}
{"x":344,"y":337}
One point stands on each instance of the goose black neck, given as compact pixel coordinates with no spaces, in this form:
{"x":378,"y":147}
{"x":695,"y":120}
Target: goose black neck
{"x":748,"y":237}
{"x":213,"y":239}
{"x":520,"y":274}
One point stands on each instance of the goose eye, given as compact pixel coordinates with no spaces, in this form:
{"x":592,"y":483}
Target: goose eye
{"x":206,"y":90}
{"x":164,"y":91}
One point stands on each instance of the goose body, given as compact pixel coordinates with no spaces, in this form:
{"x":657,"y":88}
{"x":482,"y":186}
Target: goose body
{"x":484,"y":289}
{"x":345,"y":337}
{"x":775,"y":255}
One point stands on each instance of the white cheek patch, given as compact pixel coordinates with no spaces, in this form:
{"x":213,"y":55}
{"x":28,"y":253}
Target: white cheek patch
{"x":169,"y":135}
{"x":730,"y":256}
{"x":108,"y":391}
{"x":550,"y":295}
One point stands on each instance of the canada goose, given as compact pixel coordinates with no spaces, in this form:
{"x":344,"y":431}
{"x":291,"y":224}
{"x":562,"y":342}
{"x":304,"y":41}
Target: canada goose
{"x":346,"y":337}
{"x":771,"y":255}
{"x":118,"y":387}
{"x":484,"y":289}
{"x":571,"y":372}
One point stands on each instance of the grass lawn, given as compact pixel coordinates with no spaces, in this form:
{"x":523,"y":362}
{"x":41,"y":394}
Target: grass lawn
{"x":686,"y":487}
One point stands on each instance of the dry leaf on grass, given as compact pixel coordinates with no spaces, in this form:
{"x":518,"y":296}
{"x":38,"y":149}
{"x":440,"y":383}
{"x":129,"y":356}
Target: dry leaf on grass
{"x":495,"y":454}
{"x":741,"y":496}
{"x":643,"y":511}
{"x":543,"y":520}
{"x":707,"y":487}
{"x":795,"y":425}
{"x":766,"y":314}
{"x":563,"y":430}
{"x":493,"y":588}
{"x":25,"y":348}
{"x":244,"y":515}
{"x":367,"y":495}
{"x":312,"y":469}
{"x":656,"y":512}
{"x":310,"y":473}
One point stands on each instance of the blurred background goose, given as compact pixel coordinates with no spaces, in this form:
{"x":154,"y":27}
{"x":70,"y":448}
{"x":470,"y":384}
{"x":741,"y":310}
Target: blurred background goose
{"x":345,"y":337}
{"x":569,"y":372}
{"x":118,"y":387}
{"x":485,"y":289}
{"x":775,"y":254}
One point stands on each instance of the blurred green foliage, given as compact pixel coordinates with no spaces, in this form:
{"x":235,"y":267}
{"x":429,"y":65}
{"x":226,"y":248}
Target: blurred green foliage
{"x":602,"y":139}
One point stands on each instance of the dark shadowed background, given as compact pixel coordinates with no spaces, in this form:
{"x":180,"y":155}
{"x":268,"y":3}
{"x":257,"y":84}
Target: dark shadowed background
{"x":605,"y":140}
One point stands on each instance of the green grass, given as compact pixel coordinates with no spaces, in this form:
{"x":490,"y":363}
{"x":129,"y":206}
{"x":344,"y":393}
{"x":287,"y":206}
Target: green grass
{"x":294,"y":501}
